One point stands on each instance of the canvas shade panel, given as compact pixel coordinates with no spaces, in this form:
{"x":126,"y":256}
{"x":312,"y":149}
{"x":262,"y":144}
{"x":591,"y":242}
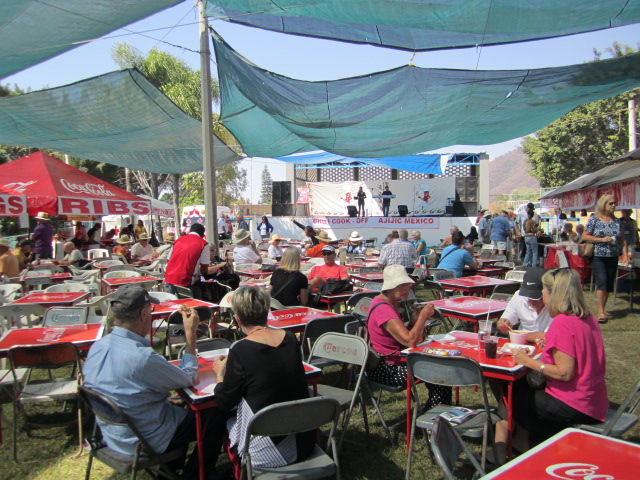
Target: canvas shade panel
{"x":428,"y":24}
{"x":32,"y":31}
{"x":429,"y":163}
{"x":119,"y":118}
{"x":405,"y":110}
{"x":56,"y":188}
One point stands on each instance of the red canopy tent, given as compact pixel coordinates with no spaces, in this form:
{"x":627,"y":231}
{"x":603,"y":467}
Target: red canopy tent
{"x":56,"y":188}
{"x":12,"y":203}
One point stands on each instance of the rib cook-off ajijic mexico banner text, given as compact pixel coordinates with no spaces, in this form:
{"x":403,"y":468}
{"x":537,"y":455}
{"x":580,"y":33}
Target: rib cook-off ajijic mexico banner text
{"x":422,"y":197}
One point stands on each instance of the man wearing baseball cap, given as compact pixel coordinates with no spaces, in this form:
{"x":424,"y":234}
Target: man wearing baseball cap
{"x":321,"y":273}
{"x":527,"y":308}
{"x":124,"y":367}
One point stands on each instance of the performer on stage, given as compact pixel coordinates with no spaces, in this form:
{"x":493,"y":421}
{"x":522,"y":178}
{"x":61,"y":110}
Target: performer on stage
{"x":386,"y":202}
{"x":361,"y":196}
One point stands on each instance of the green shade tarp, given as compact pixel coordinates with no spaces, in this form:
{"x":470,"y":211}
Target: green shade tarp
{"x":405,"y":110}
{"x":118,"y":118}
{"x":428,"y":24}
{"x":32,"y":31}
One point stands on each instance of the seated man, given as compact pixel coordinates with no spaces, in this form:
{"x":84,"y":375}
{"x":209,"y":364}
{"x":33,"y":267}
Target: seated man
{"x":399,"y":252}
{"x":454,"y":258}
{"x":8,"y":261}
{"x":72,"y":256}
{"x":142,"y":250}
{"x":122,"y":366}
{"x":24,"y":253}
{"x":321,"y":273}
{"x":245,"y":250}
{"x":527,"y":309}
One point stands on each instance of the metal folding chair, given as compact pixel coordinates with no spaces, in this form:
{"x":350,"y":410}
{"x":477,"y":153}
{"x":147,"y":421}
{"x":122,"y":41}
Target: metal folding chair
{"x":51,"y":357}
{"x":451,"y":372}
{"x":296,"y":417}
{"x":447,"y":446}
{"x":144,"y":456}
{"x":621,"y":419}
{"x":349,"y":350}
{"x":208,"y":345}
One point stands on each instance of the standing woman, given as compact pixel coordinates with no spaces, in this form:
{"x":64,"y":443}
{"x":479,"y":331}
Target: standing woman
{"x":605,"y":231}
{"x":265,"y":228}
{"x":361,"y":195}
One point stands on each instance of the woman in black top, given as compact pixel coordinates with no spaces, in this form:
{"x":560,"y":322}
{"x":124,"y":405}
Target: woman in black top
{"x":288,"y":285}
{"x":262,"y":369}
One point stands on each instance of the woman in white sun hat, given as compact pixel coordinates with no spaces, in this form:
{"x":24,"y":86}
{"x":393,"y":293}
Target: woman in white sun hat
{"x":355,"y":244}
{"x":389,"y":336}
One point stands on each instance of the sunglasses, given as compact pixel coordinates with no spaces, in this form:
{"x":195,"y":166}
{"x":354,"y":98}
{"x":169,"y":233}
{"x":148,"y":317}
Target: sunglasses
{"x":611,"y":203}
{"x":327,"y":254}
{"x":555,"y":272}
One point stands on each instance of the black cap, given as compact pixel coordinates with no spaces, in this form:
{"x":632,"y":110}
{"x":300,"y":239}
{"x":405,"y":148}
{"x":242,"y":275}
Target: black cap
{"x":532,"y":283}
{"x":132,"y":296}
{"x":531,"y":206}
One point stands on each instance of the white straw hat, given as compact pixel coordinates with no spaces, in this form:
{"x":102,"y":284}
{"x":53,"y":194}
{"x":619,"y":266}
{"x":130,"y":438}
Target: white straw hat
{"x":355,"y":237}
{"x":239,"y":235}
{"x":393,"y":276}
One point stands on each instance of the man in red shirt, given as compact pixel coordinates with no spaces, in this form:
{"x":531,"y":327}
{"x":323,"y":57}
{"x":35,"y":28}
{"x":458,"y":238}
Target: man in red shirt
{"x":189,"y":252}
{"x":321,"y":273}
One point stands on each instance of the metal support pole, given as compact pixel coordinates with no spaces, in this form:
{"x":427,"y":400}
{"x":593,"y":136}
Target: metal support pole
{"x":208,"y":162}
{"x":633,"y":131}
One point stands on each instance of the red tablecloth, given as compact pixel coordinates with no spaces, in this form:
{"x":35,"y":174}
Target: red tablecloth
{"x":52,"y":299}
{"x":78,"y":334}
{"x":295,"y":318}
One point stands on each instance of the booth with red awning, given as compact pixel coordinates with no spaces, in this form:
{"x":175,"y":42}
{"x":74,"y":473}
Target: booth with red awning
{"x":56,"y":188}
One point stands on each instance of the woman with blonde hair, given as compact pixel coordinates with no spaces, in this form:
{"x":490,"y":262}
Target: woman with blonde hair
{"x":605,"y":231}
{"x":288,"y":285}
{"x":572,"y":363}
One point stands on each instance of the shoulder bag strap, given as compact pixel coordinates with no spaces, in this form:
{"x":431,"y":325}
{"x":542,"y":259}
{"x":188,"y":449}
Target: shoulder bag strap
{"x":449,"y":252}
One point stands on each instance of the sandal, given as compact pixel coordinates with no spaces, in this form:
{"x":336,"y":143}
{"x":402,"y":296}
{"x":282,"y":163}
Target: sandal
{"x":603,"y":320}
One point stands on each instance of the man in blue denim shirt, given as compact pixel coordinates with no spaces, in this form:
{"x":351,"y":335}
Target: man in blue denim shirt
{"x":126,"y":369}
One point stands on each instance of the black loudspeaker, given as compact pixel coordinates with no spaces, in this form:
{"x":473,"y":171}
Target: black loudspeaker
{"x":280,"y":193}
{"x":467,"y":188}
{"x":462,"y":209}
{"x":352,"y":211}
{"x":402,"y":210}
{"x":282,"y":210}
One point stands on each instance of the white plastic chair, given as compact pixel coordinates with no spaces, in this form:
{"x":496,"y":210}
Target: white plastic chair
{"x":97,"y":253}
{"x":68,"y":287}
{"x":109,"y":263}
{"x":19,"y":316}
{"x":9,"y":291}
{"x":120,"y":268}
{"x":121,"y":274}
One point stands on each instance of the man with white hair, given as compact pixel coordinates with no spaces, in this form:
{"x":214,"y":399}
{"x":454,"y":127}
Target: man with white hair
{"x":399,"y":252}
{"x":446,"y":241}
{"x":72,"y":255}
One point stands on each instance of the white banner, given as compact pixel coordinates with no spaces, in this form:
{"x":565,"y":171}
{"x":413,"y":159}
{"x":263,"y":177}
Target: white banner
{"x":96,"y":206}
{"x":333,"y":225}
{"x":422,"y":197}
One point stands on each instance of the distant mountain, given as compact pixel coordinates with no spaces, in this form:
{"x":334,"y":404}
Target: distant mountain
{"x":509,"y":173}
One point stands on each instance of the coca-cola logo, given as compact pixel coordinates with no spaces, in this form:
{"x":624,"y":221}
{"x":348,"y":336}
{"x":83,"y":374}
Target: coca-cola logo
{"x":571,"y":471}
{"x":51,"y":335}
{"x":87,"y":188}
{"x":19,"y":187}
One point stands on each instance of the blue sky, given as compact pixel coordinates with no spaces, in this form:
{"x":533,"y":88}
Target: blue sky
{"x":308,"y":59}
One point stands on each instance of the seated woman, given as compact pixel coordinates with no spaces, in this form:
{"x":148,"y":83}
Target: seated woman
{"x":473,"y":236}
{"x":275,"y":251}
{"x":355,"y":244}
{"x":567,"y":233}
{"x":288,"y":285}
{"x":572,"y":362}
{"x":263,"y":368}
{"x":389,"y":336}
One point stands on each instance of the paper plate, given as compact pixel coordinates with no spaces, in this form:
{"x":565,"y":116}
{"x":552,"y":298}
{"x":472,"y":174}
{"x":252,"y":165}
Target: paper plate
{"x":510,"y":347}
{"x":443,"y":338}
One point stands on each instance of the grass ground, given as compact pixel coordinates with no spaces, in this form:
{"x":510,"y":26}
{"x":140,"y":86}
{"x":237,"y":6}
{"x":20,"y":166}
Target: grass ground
{"x":378,"y":460}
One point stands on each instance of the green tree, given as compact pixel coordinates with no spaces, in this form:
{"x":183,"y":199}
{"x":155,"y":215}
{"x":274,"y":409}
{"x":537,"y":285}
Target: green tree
{"x":266,"y":190}
{"x":582,"y":140}
{"x":182,"y":85}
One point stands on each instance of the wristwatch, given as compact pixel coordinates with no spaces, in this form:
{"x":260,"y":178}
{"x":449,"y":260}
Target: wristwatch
{"x":542,"y":367}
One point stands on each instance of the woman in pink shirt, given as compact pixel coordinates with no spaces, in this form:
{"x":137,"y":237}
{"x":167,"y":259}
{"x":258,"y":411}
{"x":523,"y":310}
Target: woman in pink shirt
{"x":572,"y":362}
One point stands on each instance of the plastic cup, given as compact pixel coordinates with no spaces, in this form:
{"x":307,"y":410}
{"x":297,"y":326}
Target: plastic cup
{"x":491,"y":347}
{"x":484,"y":330}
